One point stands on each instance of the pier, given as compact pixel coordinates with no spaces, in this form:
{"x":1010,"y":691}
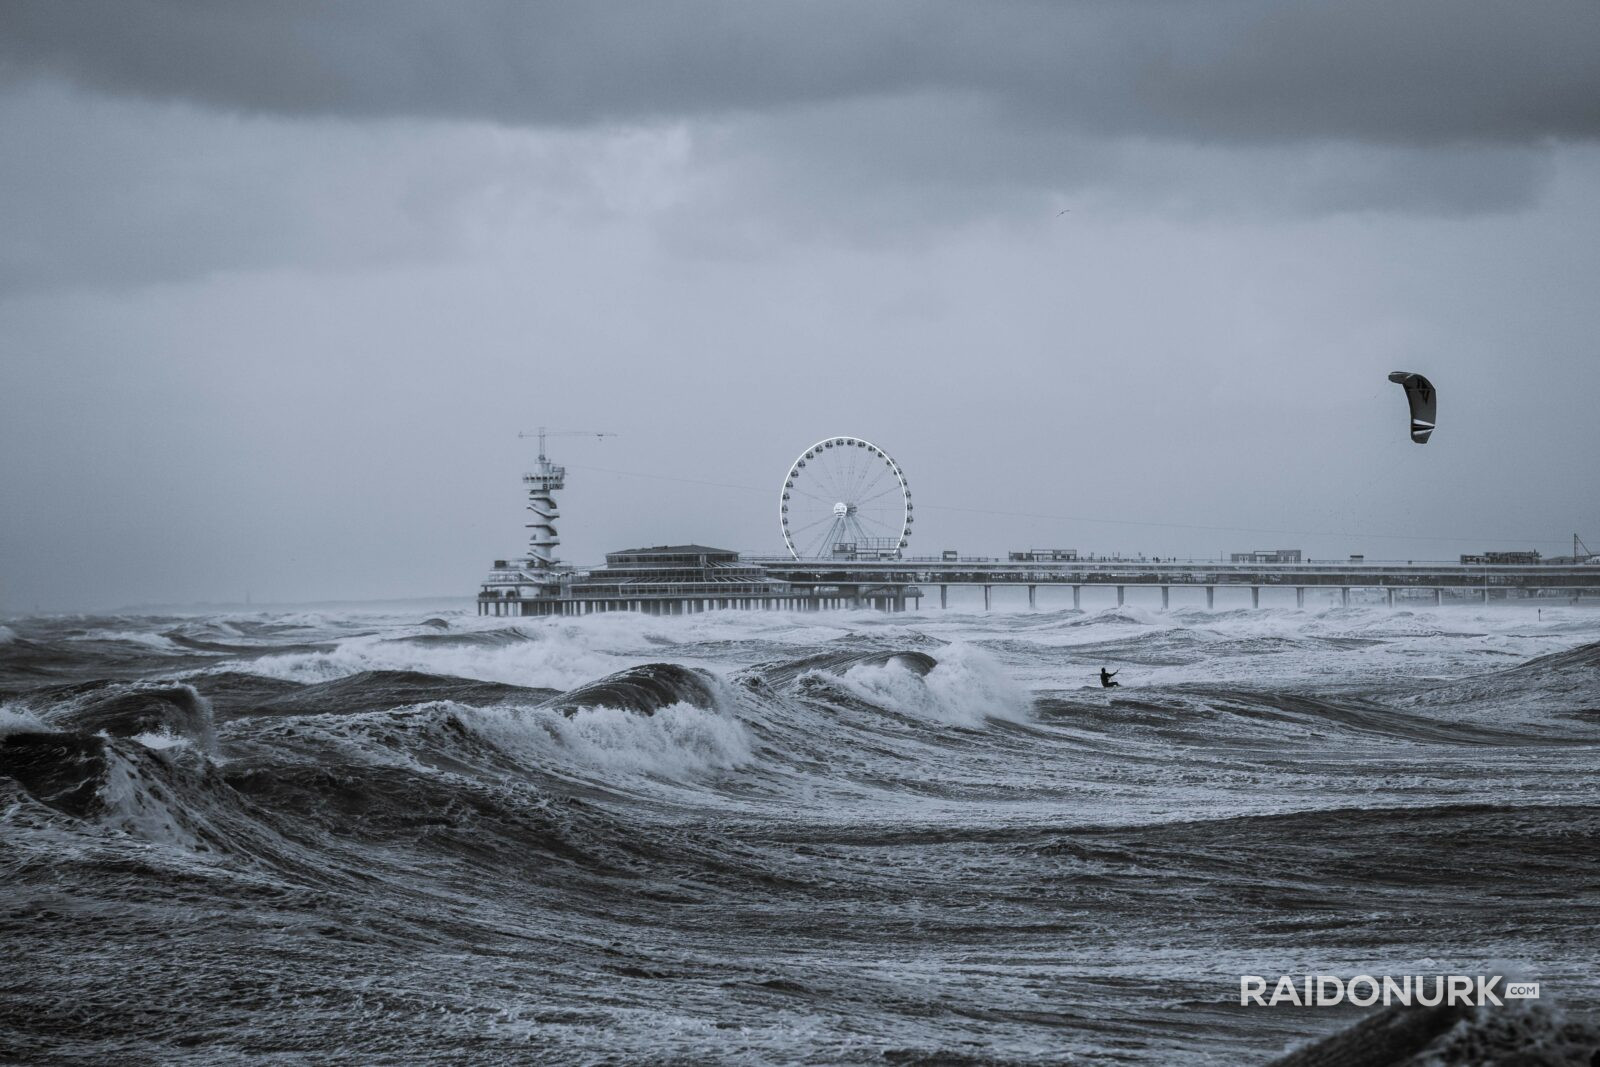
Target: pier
{"x":1432,"y":580}
{"x":687,"y":579}
{"x":867,"y":566}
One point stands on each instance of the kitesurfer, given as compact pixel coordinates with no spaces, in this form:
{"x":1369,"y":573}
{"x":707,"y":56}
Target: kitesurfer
{"x":1105,"y":679}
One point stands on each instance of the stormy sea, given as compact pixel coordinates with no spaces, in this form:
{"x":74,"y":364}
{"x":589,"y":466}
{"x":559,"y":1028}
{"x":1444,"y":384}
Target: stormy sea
{"x":412,"y":835}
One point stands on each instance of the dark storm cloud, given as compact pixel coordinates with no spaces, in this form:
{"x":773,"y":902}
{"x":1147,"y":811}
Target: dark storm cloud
{"x":1246,"y":70}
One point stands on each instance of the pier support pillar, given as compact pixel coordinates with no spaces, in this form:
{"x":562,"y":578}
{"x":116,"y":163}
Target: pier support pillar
{"x":1119,"y":596}
{"x":1031,"y":601}
{"x":1211,"y":597}
{"x":985,"y":598}
{"x":1438,"y":596}
{"x":1344,"y":597}
{"x":944,"y":596}
{"x":1299,"y":596}
{"x":1165,"y":596}
{"x":1076,"y":591}
{"x":1255,"y":596}
{"x":1485,"y":594}
{"x":1389,"y":596}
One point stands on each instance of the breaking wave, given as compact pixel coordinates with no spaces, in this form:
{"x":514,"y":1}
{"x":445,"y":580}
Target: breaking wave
{"x":886,"y":838}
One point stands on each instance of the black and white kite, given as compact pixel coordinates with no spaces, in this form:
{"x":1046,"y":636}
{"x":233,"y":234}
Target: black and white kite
{"x":1424,"y":402}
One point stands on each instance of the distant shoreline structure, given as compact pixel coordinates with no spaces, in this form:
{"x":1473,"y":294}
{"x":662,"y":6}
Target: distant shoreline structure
{"x":692,"y":578}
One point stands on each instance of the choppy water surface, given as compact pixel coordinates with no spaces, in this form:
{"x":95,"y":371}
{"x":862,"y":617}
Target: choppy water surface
{"x":758,"y":838}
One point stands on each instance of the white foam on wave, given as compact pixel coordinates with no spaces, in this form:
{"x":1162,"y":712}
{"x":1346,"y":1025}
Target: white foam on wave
{"x":678,"y":742}
{"x":161,"y":740}
{"x":1278,"y":645}
{"x":17,"y":719}
{"x":551,"y":659}
{"x":138,"y":806}
{"x":965,"y":687}
{"x":556,"y":653}
{"x":154,"y":641}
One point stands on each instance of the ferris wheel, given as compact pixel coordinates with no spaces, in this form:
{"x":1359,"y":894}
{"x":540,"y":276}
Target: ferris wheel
{"x":845,"y":497}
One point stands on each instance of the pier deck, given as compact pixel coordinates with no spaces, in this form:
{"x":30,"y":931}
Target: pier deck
{"x":812,"y":585}
{"x":1481,"y":580}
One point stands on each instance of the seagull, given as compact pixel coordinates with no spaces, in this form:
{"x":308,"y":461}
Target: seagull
{"x":1063,"y":211}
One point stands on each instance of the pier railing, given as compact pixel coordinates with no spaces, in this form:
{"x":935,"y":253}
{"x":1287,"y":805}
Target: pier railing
{"x":1150,"y":572}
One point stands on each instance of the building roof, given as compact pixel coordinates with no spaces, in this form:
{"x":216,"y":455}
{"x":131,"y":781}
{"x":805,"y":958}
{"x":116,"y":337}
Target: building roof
{"x":685,"y":550}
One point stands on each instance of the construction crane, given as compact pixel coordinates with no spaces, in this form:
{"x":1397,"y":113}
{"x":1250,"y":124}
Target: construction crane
{"x":542,"y":433}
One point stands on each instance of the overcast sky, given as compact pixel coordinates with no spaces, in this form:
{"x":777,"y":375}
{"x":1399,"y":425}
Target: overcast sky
{"x":280,"y":283}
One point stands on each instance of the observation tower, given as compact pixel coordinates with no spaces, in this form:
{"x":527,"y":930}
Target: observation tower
{"x":537,"y":577}
{"x":542,"y":483}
